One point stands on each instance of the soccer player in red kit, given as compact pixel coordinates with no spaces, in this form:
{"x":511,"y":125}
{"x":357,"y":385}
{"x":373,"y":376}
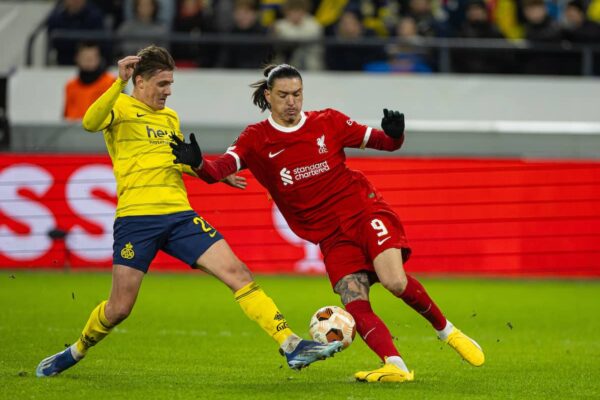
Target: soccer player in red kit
{"x":299,"y":158}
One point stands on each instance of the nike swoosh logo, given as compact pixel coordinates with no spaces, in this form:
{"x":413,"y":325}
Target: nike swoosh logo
{"x":139,"y":115}
{"x":271,"y":155}
{"x":212,"y":235}
{"x":382,"y":241}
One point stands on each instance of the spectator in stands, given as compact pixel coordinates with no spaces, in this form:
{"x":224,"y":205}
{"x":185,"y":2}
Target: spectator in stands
{"x":377,"y":16}
{"x":72,"y":15}
{"x":113,"y":12}
{"x":222,"y":15}
{"x":246,"y":22}
{"x":144,"y":25}
{"x":539,"y":27}
{"x":165,"y":11}
{"x":579,"y":29}
{"x":270,"y":11}
{"x":192,"y":18}
{"x":404,"y":58}
{"x":352,"y":57}
{"x":91,"y":82}
{"x":299,"y":24}
{"x":477,"y":25}
{"x":428,"y":24}
{"x":456,"y":12}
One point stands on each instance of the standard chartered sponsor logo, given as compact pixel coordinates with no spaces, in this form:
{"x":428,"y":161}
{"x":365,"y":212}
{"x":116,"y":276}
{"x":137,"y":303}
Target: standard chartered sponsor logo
{"x":288,"y":177}
{"x":310,"y":170}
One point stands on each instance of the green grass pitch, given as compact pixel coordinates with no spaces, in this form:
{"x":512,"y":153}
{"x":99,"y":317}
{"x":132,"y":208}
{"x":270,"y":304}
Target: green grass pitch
{"x":188,"y":339}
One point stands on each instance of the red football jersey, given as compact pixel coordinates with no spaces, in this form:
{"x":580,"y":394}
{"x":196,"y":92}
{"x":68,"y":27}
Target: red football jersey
{"x":303,"y":168}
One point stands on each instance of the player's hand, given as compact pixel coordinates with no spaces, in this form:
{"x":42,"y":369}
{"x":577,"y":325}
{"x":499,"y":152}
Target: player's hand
{"x":392,"y":123}
{"x":186,"y":153}
{"x":126,"y":67}
{"x":236,"y":181}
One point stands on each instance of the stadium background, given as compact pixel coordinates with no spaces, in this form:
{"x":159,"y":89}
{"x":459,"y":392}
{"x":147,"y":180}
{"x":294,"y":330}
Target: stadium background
{"x":499,"y":178}
{"x":499,"y":175}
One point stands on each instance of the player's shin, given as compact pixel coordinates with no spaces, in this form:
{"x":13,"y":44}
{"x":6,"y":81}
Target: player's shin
{"x":372,"y":329}
{"x":96,"y":328}
{"x":417,"y":298}
{"x":262,"y":309}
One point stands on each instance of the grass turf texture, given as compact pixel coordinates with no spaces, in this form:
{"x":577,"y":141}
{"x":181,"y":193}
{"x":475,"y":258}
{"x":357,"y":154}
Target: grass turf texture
{"x":188,"y":339}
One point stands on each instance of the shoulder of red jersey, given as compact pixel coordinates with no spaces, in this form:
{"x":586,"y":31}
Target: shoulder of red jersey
{"x":257,"y":127}
{"x":327,"y":114}
{"x":250,"y":134}
{"x":330,"y":114}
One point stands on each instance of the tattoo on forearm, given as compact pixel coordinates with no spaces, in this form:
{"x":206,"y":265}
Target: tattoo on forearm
{"x":353,"y":287}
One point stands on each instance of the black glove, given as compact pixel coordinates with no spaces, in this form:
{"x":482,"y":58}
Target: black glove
{"x":392,"y":123}
{"x":186,"y":153}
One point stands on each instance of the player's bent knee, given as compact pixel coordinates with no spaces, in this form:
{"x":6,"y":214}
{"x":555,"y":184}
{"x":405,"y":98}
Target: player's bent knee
{"x":236,"y":275}
{"x":396,"y":285}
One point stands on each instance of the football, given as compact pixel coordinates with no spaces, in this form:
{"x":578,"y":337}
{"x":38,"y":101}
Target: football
{"x":332,"y":323}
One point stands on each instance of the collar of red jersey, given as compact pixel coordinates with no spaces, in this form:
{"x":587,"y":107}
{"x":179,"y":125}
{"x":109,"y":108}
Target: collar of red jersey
{"x":288,"y":129}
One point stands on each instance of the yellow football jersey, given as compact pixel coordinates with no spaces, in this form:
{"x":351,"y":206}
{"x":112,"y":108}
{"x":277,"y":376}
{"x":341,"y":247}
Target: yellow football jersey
{"x":137,"y":138}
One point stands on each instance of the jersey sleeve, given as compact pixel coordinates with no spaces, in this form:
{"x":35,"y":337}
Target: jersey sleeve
{"x":213,"y":171}
{"x":241,"y":148}
{"x":103,"y":113}
{"x":233,"y":160}
{"x":378,"y":140}
{"x":348,"y":131}
{"x":356,"y":135}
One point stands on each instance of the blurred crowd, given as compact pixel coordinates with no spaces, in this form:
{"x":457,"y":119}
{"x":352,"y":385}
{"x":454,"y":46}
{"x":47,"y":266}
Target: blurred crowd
{"x":137,"y":23}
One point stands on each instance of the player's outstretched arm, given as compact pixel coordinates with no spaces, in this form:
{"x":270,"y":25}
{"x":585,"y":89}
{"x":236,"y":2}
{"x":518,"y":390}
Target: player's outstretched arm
{"x":98,"y":116}
{"x":392,"y":123}
{"x":215,"y":171}
{"x":391,"y":137}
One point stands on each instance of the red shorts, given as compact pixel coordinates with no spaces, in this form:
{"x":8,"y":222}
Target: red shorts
{"x":353,"y":249}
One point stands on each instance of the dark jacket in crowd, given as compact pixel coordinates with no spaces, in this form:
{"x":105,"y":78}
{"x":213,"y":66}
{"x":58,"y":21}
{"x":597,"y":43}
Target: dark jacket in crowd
{"x":481,"y":61}
{"x":88,"y":18}
{"x":247,"y":56}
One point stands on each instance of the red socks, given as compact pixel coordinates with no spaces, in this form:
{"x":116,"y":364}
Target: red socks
{"x":416,"y":296}
{"x":372,"y":329}
{"x":374,"y":332}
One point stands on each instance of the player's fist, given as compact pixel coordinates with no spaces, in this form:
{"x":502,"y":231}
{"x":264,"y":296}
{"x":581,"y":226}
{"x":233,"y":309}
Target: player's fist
{"x":186,"y":153}
{"x":392,"y":123}
{"x":126,"y":67}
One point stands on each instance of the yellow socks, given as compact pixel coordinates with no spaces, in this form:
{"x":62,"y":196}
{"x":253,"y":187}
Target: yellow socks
{"x":252,"y":299}
{"x":95,"y":330}
{"x":260,"y":308}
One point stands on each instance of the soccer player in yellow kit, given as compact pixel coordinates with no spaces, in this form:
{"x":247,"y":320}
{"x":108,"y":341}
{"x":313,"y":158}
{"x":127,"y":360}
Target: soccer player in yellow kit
{"x":153,"y":213}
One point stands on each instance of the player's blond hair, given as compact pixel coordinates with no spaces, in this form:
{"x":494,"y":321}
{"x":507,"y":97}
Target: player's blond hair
{"x":153,"y":59}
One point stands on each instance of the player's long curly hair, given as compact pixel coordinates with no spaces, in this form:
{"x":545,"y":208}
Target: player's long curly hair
{"x":271,"y":73}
